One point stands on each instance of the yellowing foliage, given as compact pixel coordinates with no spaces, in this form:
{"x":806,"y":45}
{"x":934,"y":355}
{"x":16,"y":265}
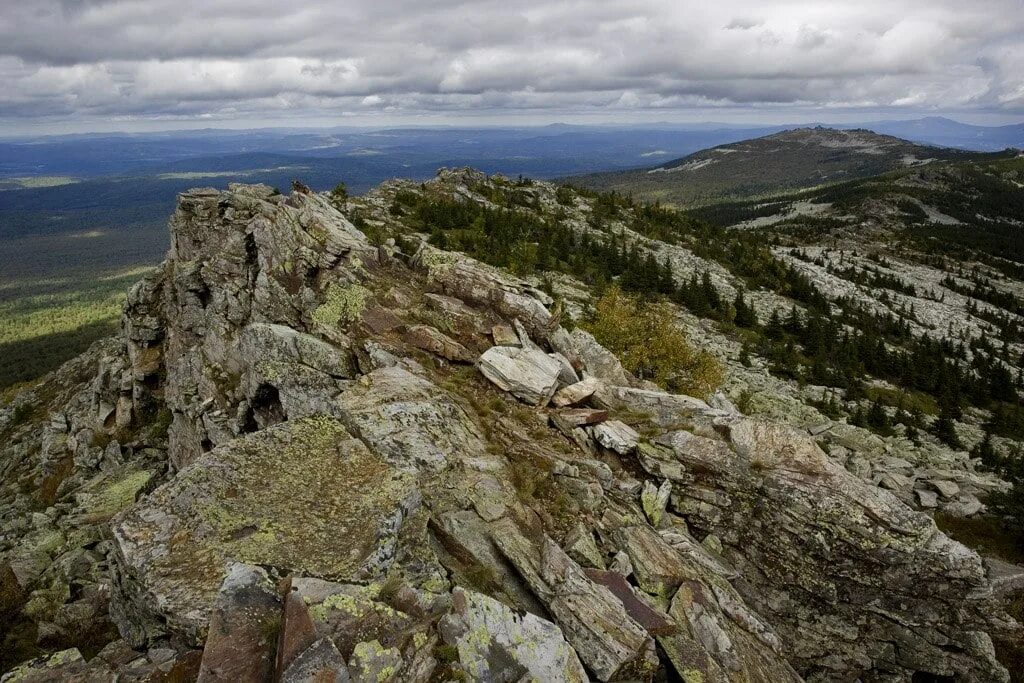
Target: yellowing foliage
{"x":651,"y":346}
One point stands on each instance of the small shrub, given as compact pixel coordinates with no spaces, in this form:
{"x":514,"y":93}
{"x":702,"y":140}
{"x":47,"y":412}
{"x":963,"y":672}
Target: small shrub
{"x":651,"y":346}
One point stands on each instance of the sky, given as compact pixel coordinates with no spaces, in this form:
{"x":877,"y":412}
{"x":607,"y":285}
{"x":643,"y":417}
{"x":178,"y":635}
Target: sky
{"x":82,"y":65}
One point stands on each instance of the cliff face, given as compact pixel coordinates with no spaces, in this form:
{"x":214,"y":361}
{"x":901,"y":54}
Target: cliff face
{"x":307,"y":456}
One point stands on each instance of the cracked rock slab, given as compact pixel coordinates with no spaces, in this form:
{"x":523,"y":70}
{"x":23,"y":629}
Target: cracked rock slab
{"x":304,"y":496}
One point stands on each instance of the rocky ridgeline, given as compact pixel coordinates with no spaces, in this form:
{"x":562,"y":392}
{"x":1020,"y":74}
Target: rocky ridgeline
{"x":310,"y":458}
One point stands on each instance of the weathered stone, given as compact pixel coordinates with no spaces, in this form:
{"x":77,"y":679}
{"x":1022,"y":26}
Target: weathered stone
{"x":1006,"y":578}
{"x":351,"y":614}
{"x":615,"y":435}
{"x":666,"y":410}
{"x":319,"y":663}
{"x":611,"y":644}
{"x":66,"y":665}
{"x":654,"y":500}
{"x":380,"y":320}
{"x":571,"y":418}
{"x":576,"y":393}
{"x":243,"y":627}
{"x":528,"y":374}
{"x":965,"y":505}
{"x":297,"y":630}
{"x":408,"y":420}
{"x":567,"y":375}
{"x":303,"y":495}
{"x":947,"y":489}
{"x":777,"y":479}
{"x":658,"y":568}
{"x":467,"y":541}
{"x":373,"y":663}
{"x":429,"y":339}
{"x":581,"y":547}
{"x":496,"y":644}
{"x":653,"y":622}
{"x":598,"y":361}
{"x":927,"y":499}
{"x":504,"y":335}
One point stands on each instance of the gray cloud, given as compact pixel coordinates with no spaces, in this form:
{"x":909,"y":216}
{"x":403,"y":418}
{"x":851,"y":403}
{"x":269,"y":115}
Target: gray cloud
{"x":223,"y":59}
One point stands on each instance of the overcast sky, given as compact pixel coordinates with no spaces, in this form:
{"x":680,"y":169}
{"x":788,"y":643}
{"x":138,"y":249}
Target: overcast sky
{"x":101,"y":64}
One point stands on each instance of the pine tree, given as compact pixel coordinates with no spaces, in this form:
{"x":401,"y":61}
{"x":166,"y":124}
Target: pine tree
{"x":745,"y":316}
{"x":945,"y":431}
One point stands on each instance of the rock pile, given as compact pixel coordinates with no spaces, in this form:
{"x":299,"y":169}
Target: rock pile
{"x":310,"y":458}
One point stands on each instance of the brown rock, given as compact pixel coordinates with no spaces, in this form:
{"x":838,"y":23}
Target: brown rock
{"x":380,"y":320}
{"x":436,"y":342}
{"x":297,"y":631}
{"x":579,"y":417}
{"x":504,"y":335}
{"x":243,"y":627}
{"x":638,"y":608}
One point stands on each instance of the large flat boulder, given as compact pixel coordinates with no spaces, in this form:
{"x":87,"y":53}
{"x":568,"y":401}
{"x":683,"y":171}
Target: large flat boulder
{"x":527,"y":373}
{"x":304,"y":496}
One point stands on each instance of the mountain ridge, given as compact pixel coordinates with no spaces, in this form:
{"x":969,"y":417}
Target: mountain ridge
{"x":797,"y":158}
{"x":522,"y":477}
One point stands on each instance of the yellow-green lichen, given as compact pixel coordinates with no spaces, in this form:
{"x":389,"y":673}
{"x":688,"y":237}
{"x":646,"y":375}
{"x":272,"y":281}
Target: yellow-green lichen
{"x":692,"y":676}
{"x":304,"y":494}
{"x":342,"y":304}
{"x":119,"y":494}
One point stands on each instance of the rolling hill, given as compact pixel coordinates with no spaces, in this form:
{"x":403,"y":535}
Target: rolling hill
{"x":792,"y":159}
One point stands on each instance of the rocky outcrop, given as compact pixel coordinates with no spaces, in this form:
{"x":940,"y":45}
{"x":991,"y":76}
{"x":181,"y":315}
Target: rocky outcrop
{"x":286,"y":468}
{"x":304,"y":495}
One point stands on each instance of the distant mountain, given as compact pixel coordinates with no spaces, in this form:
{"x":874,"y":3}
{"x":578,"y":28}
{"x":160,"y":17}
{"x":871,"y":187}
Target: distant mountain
{"x":937,"y":130}
{"x":792,"y":159}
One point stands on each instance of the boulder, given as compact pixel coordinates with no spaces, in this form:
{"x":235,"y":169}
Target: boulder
{"x":527,"y":373}
{"x":243,"y":626}
{"x":664,"y":409}
{"x":784,"y":512}
{"x":608,"y":641}
{"x":653,"y":621}
{"x":504,"y":335}
{"x":496,"y":644}
{"x":616,"y":436}
{"x":408,"y":420}
{"x":373,"y":663}
{"x":654,"y":500}
{"x":927,"y":499}
{"x":598,"y":361}
{"x":576,"y":393}
{"x":319,"y":663}
{"x":947,"y":489}
{"x":304,"y":495}
{"x":436,"y":342}
{"x":578,"y":417}
{"x":351,"y":614}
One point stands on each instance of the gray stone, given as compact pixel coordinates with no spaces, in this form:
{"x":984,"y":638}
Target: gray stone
{"x":620,"y":649}
{"x":529,"y":374}
{"x":496,"y":644}
{"x":576,"y":393}
{"x":616,"y":436}
{"x":373,"y":663}
{"x":927,"y":499}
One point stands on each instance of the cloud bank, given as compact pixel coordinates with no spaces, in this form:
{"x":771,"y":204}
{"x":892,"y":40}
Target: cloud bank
{"x":229,"y":59}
